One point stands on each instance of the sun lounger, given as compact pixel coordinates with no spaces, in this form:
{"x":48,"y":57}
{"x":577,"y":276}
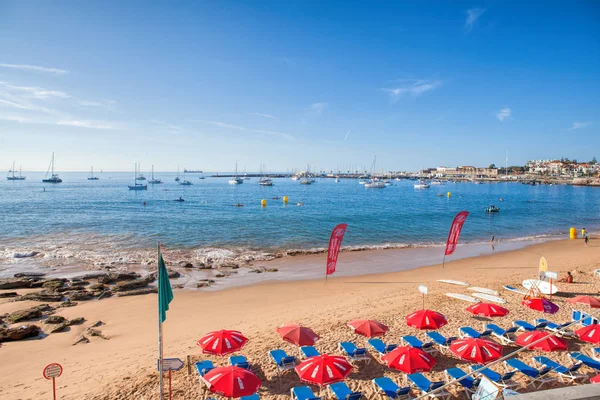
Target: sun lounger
{"x":414,"y":341}
{"x":440,"y":340}
{"x":355,"y":353}
{"x":303,"y":393}
{"x":387,"y":389}
{"x":204,"y":366}
{"x":582,"y":318}
{"x":341,"y":391}
{"x":564,"y":374}
{"x":506,"y":336}
{"x":467,"y":331}
{"x":309,"y":351}
{"x":504,"y":379}
{"x":427,"y":387}
{"x":596,"y":353}
{"x":380,"y":347}
{"x":282,"y":360}
{"x":239,"y":361}
{"x":537,"y":377}
{"x":468,"y":384}
{"x":526,"y":326}
{"x":251,"y":397}
{"x":553,"y":327}
{"x":588,"y":361}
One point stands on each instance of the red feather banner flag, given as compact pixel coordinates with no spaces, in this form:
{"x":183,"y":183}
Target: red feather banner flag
{"x":454,"y":233}
{"x":335,"y":242}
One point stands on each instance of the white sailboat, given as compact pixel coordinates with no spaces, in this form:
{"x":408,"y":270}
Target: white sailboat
{"x":14,"y":177}
{"x":177,"y":177}
{"x":374,"y":183}
{"x":154,"y":180}
{"x":263,"y":180}
{"x":137,"y":186}
{"x":140,"y":176}
{"x":236,"y":180}
{"x":421,"y":185}
{"x":185,"y":182}
{"x":92,"y":177}
{"x":54,"y":178}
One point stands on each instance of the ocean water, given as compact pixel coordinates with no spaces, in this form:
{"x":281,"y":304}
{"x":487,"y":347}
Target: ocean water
{"x":82,"y":214}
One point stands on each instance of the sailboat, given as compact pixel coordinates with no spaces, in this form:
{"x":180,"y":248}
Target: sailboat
{"x":14,"y":177}
{"x":263,"y":180}
{"x":139,"y":176}
{"x":374,"y":183}
{"x":92,"y":177}
{"x":137,"y":186}
{"x":185,"y":182}
{"x":236,"y":180}
{"x":54,"y":177}
{"x":177,"y":177}
{"x":153,"y":180}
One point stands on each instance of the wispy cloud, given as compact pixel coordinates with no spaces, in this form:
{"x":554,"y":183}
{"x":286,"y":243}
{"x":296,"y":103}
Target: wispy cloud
{"x":37,"y":68}
{"x":414,"y":87}
{"x":580,"y":125}
{"x":23,"y":106}
{"x":32,"y":92}
{"x":504,"y":113}
{"x":244,"y":129}
{"x":319,"y":108}
{"x":263,"y":115}
{"x":88,"y":124}
{"x":50,"y":120}
{"x":110,"y":104}
{"x":170,"y":127}
{"x":347,"y":134}
{"x":473,"y":15}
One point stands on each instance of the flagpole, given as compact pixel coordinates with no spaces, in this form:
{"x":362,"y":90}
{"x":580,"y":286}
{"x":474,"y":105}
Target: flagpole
{"x":160,"y":343}
{"x":444,"y":260}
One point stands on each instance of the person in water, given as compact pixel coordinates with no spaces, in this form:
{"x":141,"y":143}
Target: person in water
{"x":568,"y":278}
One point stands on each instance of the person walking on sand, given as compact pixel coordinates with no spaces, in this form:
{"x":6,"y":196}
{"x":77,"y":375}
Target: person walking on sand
{"x":586,"y":240}
{"x":583,"y":233}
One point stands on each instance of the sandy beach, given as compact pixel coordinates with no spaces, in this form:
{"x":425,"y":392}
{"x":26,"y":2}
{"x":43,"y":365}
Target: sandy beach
{"x":123,"y":366}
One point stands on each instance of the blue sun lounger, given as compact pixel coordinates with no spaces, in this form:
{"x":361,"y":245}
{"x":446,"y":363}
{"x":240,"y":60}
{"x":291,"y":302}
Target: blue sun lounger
{"x":596,"y":353}
{"x":341,"y":391}
{"x":414,"y":341}
{"x":309,"y":351}
{"x":282,"y":360}
{"x":204,"y":366}
{"x":553,"y":327}
{"x":239,"y":361}
{"x":467,"y":331}
{"x":504,"y":379}
{"x":380,"y":347}
{"x":506,"y":336}
{"x":468,"y":383}
{"x":527,"y":327}
{"x":303,"y":393}
{"x":440,"y":340}
{"x":355,"y":353}
{"x":251,"y":397}
{"x":537,"y":377}
{"x":387,"y":389}
{"x":583,"y":318}
{"x":588,"y":361}
{"x":427,"y":387}
{"x":564,"y":374}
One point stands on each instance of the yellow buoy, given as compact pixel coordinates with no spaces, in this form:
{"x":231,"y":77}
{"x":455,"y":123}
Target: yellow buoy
{"x":573,"y":233}
{"x":263,"y":203}
{"x":285,"y":199}
{"x":449,"y":194}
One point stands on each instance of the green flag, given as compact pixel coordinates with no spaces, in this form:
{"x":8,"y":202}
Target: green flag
{"x":165,"y":293}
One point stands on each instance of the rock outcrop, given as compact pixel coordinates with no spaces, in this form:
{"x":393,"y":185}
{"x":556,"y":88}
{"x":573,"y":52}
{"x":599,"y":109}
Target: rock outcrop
{"x":19,"y":333}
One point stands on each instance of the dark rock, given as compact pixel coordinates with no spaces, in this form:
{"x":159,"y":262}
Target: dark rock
{"x":97,"y":287}
{"x":81,"y":295}
{"x":81,"y":339}
{"x":105,"y":294}
{"x":52,"y":285}
{"x":24,"y":315}
{"x":205,"y":283}
{"x":95,"y":332}
{"x":78,"y":282}
{"x":138,"y":292}
{"x":204,"y":266}
{"x":76,"y":321}
{"x":8,"y":294}
{"x":59,"y":327}
{"x":29,"y":274}
{"x":271,"y":270}
{"x":178,"y":286}
{"x":70,"y":289}
{"x":46,"y":309}
{"x":188,"y":266}
{"x":220,"y":275}
{"x":26,"y":254}
{"x":41,"y":296}
{"x":94,"y":275}
{"x":229,"y":265}
{"x":173,"y":274}
{"x":67,"y":303}
{"x":55,"y":319}
{"x":137,"y":284}
{"x":97,"y":324}
{"x":15,"y":283}
{"x":19,"y":333}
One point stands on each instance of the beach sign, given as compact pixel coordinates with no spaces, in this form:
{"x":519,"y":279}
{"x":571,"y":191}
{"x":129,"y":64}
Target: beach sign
{"x":487,"y":390}
{"x":171,"y":364}
{"x":335,"y":242}
{"x":551,"y":275}
{"x":53,"y":371}
{"x":423,"y":289}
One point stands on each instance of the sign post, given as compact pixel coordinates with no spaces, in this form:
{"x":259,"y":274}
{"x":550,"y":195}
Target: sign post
{"x":53,"y":371}
{"x":171,"y":364}
{"x":424,"y":290}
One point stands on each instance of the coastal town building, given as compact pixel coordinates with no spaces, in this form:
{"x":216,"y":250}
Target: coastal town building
{"x":463,"y":171}
{"x":563,"y":168}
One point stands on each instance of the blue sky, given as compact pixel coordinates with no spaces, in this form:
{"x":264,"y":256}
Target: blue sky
{"x":285,"y":83}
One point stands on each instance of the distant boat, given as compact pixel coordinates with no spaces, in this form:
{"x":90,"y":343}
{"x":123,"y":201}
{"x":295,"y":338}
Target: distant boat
{"x":140,"y":176}
{"x":177,"y":177}
{"x":374,"y":183}
{"x":264,"y":181}
{"x":153,"y":180}
{"x":14,"y":177}
{"x":436,"y":182}
{"x":201,"y":176}
{"x":337,"y":179}
{"x":185,"y":182}
{"x":92,"y":177}
{"x":191,"y":171}
{"x":236,"y":180}
{"x":306,"y":181}
{"x":53,"y":177}
{"x":422,"y":185}
{"x":137,"y":186}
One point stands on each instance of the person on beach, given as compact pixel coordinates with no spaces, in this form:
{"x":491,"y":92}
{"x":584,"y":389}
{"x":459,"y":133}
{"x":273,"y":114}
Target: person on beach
{"x":583,"y":233}
{"x":568,"y":278}
{"x":586,"y":240}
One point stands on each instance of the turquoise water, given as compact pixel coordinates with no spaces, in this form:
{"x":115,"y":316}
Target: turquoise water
{"x":77,"y":210}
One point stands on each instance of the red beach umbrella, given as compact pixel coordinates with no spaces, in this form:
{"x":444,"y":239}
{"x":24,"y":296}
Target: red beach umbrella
{"x":541,"y":304}
{"x":426,"y":319}
{"x":231,"y":381}
{"x":550,"y":343}
{"x":476,"y":350}
{"x":298,"y":335}
{"x":595,"y":379}
{"x":222,"y":342}
{"x":409,"y":360}
{"x":590,"y":333}
{"x":487,"y":310}
{"x":367,"y":327}
{"x":587,"y":300}
{"x":324,"y":369}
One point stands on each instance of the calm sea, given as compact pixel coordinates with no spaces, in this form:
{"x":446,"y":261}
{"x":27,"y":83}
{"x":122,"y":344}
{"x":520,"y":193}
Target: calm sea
{"x":78,"y":212}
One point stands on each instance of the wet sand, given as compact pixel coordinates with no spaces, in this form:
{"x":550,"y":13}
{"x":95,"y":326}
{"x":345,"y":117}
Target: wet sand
{"x":124,"y":366}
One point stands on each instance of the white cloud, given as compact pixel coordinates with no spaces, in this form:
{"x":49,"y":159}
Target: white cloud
{"x":244,"y":129}
{"x":32,"y":92}
{"x":25,"y":67}
{"x":172,"y":128}
{"x":473,"y":15}
{"x":504,"y":113}
{"x":414,"y":87}
{"x":87,"y":124}
{"x":23,"y":106}
{"x":580,"y":125}
{"x":263,"y":115}
{"x":319,"y":107}
{"x":347,"y":134}
{"x":98,"y":103}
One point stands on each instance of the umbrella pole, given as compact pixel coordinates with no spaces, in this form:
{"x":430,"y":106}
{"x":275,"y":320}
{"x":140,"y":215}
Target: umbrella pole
{"x":160,"y":340}
{"x":444,"y":260}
